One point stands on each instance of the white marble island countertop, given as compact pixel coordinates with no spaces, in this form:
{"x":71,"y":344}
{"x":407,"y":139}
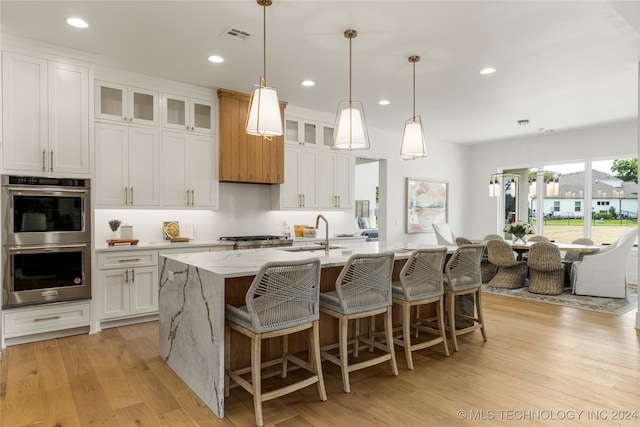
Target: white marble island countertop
{"x":247,"y":262}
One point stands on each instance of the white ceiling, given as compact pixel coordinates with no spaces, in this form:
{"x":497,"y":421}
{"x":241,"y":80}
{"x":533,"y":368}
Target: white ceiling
{"x":560,"y":65}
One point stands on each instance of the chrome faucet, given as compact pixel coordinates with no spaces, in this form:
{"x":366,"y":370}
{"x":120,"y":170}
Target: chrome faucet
{"x":326,"y":237}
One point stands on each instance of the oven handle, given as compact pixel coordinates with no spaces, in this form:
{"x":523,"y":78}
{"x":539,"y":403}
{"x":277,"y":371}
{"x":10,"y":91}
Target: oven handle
{"x":40,"y":249}
{"x":47,"y":191}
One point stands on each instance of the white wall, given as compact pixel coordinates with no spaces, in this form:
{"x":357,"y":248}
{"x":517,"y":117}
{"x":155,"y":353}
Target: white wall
{"x":617,"y":139}
{"x":367,"y":179}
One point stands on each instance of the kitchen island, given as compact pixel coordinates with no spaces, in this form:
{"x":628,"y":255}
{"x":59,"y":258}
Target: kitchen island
{"x":194,"y":288}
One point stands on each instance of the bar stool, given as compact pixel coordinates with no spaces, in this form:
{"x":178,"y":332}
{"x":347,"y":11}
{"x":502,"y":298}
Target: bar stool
{"x":363,"y":290}
{"x":421,"y":284}
{"x":463,"y":277}
{"x":283,"y":299}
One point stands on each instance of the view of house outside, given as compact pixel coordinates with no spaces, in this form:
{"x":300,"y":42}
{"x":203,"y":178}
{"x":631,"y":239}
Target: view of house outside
{"x":613,"y":203}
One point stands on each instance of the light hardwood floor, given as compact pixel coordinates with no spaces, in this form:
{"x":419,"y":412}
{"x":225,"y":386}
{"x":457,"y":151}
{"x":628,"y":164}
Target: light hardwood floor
{"x":541,"y":365}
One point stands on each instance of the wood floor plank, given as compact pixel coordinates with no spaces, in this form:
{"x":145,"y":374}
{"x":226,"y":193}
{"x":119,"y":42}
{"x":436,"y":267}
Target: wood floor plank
{"x":540,"y":361}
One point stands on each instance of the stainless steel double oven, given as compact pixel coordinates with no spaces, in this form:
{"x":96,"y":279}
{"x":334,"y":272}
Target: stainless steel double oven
{"x":46,"y":239}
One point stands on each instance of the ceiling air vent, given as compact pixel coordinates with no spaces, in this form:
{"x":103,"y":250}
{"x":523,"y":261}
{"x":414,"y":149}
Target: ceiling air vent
{"x":236,"y":33}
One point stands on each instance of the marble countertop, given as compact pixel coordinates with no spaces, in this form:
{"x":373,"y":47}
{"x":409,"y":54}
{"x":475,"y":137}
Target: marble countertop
{"x":163,"y":244}
{"x":248,"y":262}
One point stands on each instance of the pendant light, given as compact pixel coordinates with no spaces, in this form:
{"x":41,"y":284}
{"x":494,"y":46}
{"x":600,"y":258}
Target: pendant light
{"x":413,"y":145}
{"x":350,"y":130}
{"x":264,"y":118}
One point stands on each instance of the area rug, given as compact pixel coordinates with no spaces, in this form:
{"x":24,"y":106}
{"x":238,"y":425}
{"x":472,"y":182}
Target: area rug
{"x":616,"y":306}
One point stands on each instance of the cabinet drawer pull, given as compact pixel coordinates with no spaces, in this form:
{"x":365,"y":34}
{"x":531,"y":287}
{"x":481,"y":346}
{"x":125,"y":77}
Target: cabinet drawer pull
{"x":130,"y":259}
{"x":51,"y":162}
{"x":44,"y":319}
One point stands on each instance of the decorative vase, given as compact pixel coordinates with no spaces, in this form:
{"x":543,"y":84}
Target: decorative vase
{"x":115,"y":235}
{"x":519,"y":238}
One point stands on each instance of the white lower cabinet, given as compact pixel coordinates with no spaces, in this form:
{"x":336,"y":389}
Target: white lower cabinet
{"x":128,"y":284}
{"x":44,"y":318}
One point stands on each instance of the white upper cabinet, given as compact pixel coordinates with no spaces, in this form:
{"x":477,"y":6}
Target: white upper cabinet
{"x":127,"y":164}
{"x":301,"y":132}
{"x":300,"y":188}
{"x":187,"y":114}
{"x":126,"y":103}
{"x":336,"y":180}
{"x":45,"y":116}
{"x":189,"y":170}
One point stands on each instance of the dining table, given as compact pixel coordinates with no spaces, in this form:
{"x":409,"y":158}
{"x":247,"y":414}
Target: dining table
{"x":521,"y":247}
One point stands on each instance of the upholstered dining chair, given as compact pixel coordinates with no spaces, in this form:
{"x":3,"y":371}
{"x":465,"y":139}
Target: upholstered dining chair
{"x":546,"y":272}
{"x":421,"y":283}
{"x":603,"y":273}
{"x":363,"y":290}
{"x":444,"y":235}
{"x":282,"y":299}
{"x":511,"y":273}
{"x":462,"y":277}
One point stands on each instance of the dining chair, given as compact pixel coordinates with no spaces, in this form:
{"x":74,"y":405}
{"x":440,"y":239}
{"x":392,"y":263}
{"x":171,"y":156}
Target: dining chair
{"x":603,"y":273}
{"x":488,"y":268}
{"x":421,"y":283}
{"x":463,"y":241}
{"x":511,"y":273}
{"x":282,"y":299}
{"x":546,"y":272}
{"x":538,"y":238}
{"x":571,"y":256}
{"x":444,"y":235}
{"x":362,"y":290}
{"x":462,"y":277}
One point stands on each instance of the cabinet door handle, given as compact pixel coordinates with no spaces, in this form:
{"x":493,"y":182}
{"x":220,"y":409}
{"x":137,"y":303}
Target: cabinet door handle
{"x":126,"y":276}
{"x":51,"y":162}
{"x":133,"y":276}
{"x":187,"y":191}
{"x":44,"y":160}
{"x":193,"y":197}
{"x":126,"y":195}
{"x":339,"y":201}
{"x":43,"y":319}
{"x":303,"y":201}
{"x":131,"y":190}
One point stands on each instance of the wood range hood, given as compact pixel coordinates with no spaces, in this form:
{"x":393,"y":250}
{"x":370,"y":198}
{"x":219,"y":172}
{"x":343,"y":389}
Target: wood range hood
{"x":246,"y":158}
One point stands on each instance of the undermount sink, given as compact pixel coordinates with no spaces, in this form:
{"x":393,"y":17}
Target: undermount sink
{"x":309,"y":248}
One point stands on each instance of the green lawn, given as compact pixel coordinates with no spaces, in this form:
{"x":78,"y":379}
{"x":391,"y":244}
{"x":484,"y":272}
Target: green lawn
{"x":595,"y":223}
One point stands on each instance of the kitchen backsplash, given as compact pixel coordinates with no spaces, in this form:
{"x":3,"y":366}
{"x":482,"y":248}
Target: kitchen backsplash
{"x":244,"y":209}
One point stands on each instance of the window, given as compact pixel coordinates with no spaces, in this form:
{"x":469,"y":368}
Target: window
{"x":556,"y":206}
{"x":578,"y":206}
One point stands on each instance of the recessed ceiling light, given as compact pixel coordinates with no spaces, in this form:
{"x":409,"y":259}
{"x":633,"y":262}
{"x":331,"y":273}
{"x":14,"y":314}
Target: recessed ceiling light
{"x":488,"y":70}
{"x":216,"y":59}
{"x":77,"y":22}
{"x":383,"y":102}
{"x":308,"y":83}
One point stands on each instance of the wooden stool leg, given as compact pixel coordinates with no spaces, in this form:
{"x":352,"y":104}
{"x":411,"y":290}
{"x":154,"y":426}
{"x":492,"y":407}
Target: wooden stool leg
{"x":480,"y":315}
{"x":285,"y":351}
{"x":451,"y":316}
{"x":388,"y":328}
{"x":441,"y":328}
{"x":356,"y":337}
{"x":344,"y":352}
{"x":316,"y":360}
{"x":256,"y":383}
{"x":406,"y":333}
{"x":372,"y":331}
{"x":417,"y":317}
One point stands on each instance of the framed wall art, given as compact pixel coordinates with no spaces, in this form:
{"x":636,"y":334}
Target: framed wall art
{"x":426,"y":204}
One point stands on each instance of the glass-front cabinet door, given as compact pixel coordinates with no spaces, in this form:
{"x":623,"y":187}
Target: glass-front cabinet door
{"x":301,"y":132}
{"x":126,"y":104}
{"x":187,"y":114}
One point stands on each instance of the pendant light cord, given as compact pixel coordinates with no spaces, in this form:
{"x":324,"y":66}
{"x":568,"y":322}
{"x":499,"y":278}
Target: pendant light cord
{"x":350,"y":48}
{"x":264,"y":41}
{"x":414,"y":90}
